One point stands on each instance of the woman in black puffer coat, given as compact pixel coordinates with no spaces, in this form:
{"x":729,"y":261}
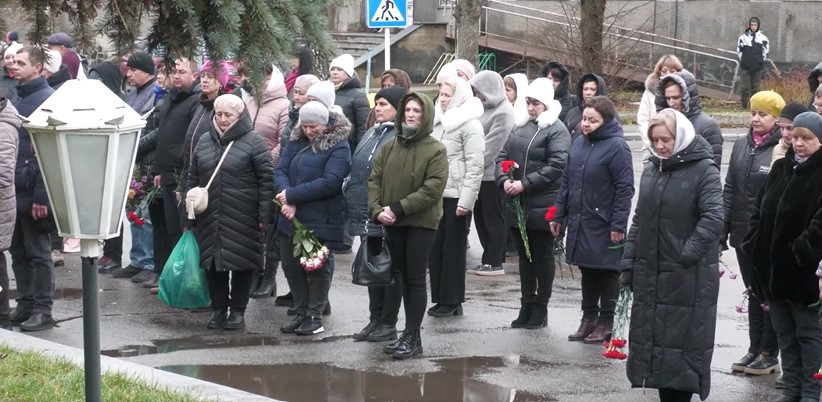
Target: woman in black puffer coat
{"x":230,"y":230}
{"x":561,"y":78}
{"x":540,"y":148}
{"x":671,"y":262}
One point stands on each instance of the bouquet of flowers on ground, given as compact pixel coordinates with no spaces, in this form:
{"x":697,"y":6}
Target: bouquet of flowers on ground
{"x":307,"y":247}
{"x":138,"y":198}
{"x":508,"y":168}
{"x":613,"y":348}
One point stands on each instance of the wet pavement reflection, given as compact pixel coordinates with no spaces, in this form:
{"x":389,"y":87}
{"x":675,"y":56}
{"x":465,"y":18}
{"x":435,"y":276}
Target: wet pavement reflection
{"x":454,"y":382}
{"x":193,"y":343}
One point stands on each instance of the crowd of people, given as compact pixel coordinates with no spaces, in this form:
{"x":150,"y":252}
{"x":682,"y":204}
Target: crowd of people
{"x":526,"y":161}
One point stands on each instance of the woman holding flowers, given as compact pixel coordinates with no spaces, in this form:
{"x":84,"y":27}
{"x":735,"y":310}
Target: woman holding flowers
{"x":405,"y":195}
{"x":784,"y":243}
{"x":671,"y":261}
{"x":239,"y":205}
{"x":529,"y":170}
{"x":594,"y":202}
{"x":308,"y":182}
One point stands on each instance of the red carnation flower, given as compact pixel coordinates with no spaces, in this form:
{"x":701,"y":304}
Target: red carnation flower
{"x":508,"y":165}
{"x":817,"y":376}
{"x":618,"y":342}
{"x":551,"y":214}
{"x":132,"y":217}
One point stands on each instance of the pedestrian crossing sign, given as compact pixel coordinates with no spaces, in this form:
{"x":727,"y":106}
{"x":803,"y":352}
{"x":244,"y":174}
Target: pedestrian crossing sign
{"x":387,"y":14}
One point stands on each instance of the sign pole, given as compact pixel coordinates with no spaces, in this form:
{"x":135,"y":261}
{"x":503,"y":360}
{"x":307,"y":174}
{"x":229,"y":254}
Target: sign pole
{"x":387,"y":48}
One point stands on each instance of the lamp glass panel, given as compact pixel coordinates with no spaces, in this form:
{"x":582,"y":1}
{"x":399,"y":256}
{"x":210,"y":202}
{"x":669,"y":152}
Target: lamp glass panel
{"x":123,"y":164}
{"x":87,"y":157}
{"x":47,"y":149}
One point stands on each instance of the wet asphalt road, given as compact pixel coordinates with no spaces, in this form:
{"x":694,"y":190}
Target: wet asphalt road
{"x":476,"y":357}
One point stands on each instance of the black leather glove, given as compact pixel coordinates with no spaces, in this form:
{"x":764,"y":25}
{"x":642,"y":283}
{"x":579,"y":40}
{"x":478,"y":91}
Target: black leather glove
{"x":626,"y":279}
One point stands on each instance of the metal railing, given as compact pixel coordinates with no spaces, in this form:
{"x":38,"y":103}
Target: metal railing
{"x":444,"y":59}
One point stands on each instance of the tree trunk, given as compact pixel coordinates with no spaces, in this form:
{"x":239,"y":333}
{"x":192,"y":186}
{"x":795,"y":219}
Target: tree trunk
{"x":590,"y":27}
{"x":467,"y":19}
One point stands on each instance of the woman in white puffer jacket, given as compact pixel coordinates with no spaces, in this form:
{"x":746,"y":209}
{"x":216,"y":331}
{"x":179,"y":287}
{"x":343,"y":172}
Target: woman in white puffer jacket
{"x":667,"y":64}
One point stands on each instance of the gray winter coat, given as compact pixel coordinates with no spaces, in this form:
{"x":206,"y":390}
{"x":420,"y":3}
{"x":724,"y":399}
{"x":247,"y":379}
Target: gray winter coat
{"x":673,"y":252}
{"x":704,"y":126}
{"x":239,"y":199}
{"x":9,"y":122}
{"x":497,"y":120}
{"x":540,"y":148}
{"x":356,"y":189}
{"x":747,"y":172}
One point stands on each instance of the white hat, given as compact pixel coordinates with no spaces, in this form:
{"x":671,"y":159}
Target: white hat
{"x":447,"y":71}
{"x":541,"y":89}
{"x":54,"y":61}
{"x":465,"y":67}
{"x":344,"y":62}
{"x":12,"y":49}
{"x":323,"y":92}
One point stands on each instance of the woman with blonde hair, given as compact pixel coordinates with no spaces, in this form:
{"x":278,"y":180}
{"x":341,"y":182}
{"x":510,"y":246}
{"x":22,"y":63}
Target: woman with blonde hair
{"x":666,"y":64}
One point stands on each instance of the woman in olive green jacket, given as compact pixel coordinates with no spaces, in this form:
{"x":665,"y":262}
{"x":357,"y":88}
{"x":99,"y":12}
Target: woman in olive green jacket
{"x":405,"y":195}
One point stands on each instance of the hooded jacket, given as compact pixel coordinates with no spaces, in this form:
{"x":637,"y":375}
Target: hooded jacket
{"x":271,"y":117}
{"x":595,"y":197}
{"x":813,"y":83}
{"x":239,"y":198}
{"x":411,"y":172}
{"x":752,"y":49}
{"x":747,"y":172}
{"x":351,"y":98}
{"x":362,"y":163}
{"x":28,"y":181}
{"x":784,"y":240}
{"x":647,"y":111}
{"x":312,"y":171}
{"x":561,"y":93}
{"x":497,"y":119}
{"x":110,"y":75}
{"x":574,"y":116}
{"x":461,"y":132}
{"x":9,"y":122}
{"x":540,"y":148}
{"x":59,"y":78}
{"x":174,"y":116}
{"x":704,"y":126}
{"x":673,"y":252}
{"x":520,"y":106}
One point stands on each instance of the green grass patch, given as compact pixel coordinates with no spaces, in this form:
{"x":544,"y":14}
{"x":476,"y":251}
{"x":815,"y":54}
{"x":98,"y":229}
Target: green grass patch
{"x":32,"y":377}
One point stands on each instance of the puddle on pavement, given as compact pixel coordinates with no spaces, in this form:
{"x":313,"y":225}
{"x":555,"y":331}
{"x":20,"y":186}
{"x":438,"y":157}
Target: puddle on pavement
{"x":59,"y":294}
{"x":322,"y":382}
{"x":174,"y":345}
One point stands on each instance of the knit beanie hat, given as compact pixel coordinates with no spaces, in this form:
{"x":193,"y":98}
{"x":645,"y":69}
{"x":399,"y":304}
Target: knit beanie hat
{"x":810,"y":120}
{"x":465,"y":67}
{"x":313,"y":113}
{"x":768,"y":101}
{"x":344,"y":62}
{"x":229,"y":103}
{"x":323,"y":92}
{"x":306,"y":81}
{"x":12,"y":49}
{"x":53,"y":62}
{"x":447,"y":71}
{"x":222,"y":74}
{"x":793,"y":109}
{"x":393,"y":95}
{"x":754,"y":19}
{"x":141,"y":61}
{"x":541,"y":89}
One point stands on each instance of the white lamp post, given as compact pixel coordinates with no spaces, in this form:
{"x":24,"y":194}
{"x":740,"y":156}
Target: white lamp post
{"x":85,"y":138}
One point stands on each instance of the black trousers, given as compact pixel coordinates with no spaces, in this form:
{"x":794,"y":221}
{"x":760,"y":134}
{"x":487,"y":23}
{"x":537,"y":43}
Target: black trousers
{"x":536,"y":276}
{"x":4,"y":293}
{"x":672,"y":395}
{"x":224,"y":296}
{"x":410,"y":248}
{"x":33,"y":269}
{"x":310,"y":289}
{"x":800,"y":339}
{"x":56,"y":241}
{"x":163,"y":243}
{"x":384,"y":301}
{"x":489,"y":214}
{"x":446,"y":266}
{"x":600,"y":291}
{"x":113,"y":248}
{"x":760,"y":328}
{"x":172,"y":213}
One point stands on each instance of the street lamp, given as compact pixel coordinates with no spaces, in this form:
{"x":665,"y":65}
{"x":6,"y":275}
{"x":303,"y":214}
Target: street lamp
{"x":85,"y":138}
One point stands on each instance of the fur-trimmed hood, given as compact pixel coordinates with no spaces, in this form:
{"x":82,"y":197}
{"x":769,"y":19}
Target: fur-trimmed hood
{"x":650,"y":83}
{"x":549,"y":116}
{"x":454,"y":118}
{"x":690,"y":93}
{"x":338,"y":129}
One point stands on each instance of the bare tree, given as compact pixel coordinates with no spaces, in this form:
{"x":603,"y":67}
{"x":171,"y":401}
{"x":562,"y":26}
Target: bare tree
{"x":467,"y":19}
{"x":590,"y":28}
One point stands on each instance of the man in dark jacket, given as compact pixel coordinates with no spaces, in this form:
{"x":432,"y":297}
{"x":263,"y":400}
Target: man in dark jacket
{"x":678,"y":91}
{"x":30,"y":244}
{"x":559,"y":74}
{"x":752,"y":48}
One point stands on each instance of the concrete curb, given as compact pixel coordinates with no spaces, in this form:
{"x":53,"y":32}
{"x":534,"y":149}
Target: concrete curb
{"x":159,"y":378}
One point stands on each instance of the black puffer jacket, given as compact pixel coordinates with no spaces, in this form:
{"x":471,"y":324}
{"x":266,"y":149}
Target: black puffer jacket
{"x":785,"y":238}
{"x":174,"y":116}
{"x":561,"y":94}
{"x":747,"y":172}
{"x":239,"y":199}
{"x":574,"y":116}
{"x":704,"y":126}
{"x":673,"y":251}
{"x":200,"y":125}
{"x":540,"y":148}
{"x":351,"y":98}
{"x":813,"y":83}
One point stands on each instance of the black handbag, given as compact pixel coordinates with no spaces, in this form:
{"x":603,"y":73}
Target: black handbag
{"x":372,"y":265}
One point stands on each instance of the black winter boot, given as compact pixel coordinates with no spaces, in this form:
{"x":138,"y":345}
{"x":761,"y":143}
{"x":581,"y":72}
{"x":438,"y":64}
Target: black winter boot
{"x":524,"y":315}
{"x":268,"y":284}
{"x":586,"y":326}
{"x":410,"y":345}
{"x":539,"y":316}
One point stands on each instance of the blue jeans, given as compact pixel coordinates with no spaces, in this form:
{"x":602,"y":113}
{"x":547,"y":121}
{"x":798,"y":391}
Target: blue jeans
{"x":142,"y":244}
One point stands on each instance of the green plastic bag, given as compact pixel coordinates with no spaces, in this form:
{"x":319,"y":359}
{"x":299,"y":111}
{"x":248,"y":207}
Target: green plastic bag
{"x":182,"y":283}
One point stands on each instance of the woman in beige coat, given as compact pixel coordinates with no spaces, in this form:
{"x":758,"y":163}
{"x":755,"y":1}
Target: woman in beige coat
{"x":457,"y":125}
{"x":8,"y":203}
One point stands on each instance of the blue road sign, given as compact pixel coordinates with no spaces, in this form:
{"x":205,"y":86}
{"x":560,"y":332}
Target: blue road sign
{"x":387,"y":14}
